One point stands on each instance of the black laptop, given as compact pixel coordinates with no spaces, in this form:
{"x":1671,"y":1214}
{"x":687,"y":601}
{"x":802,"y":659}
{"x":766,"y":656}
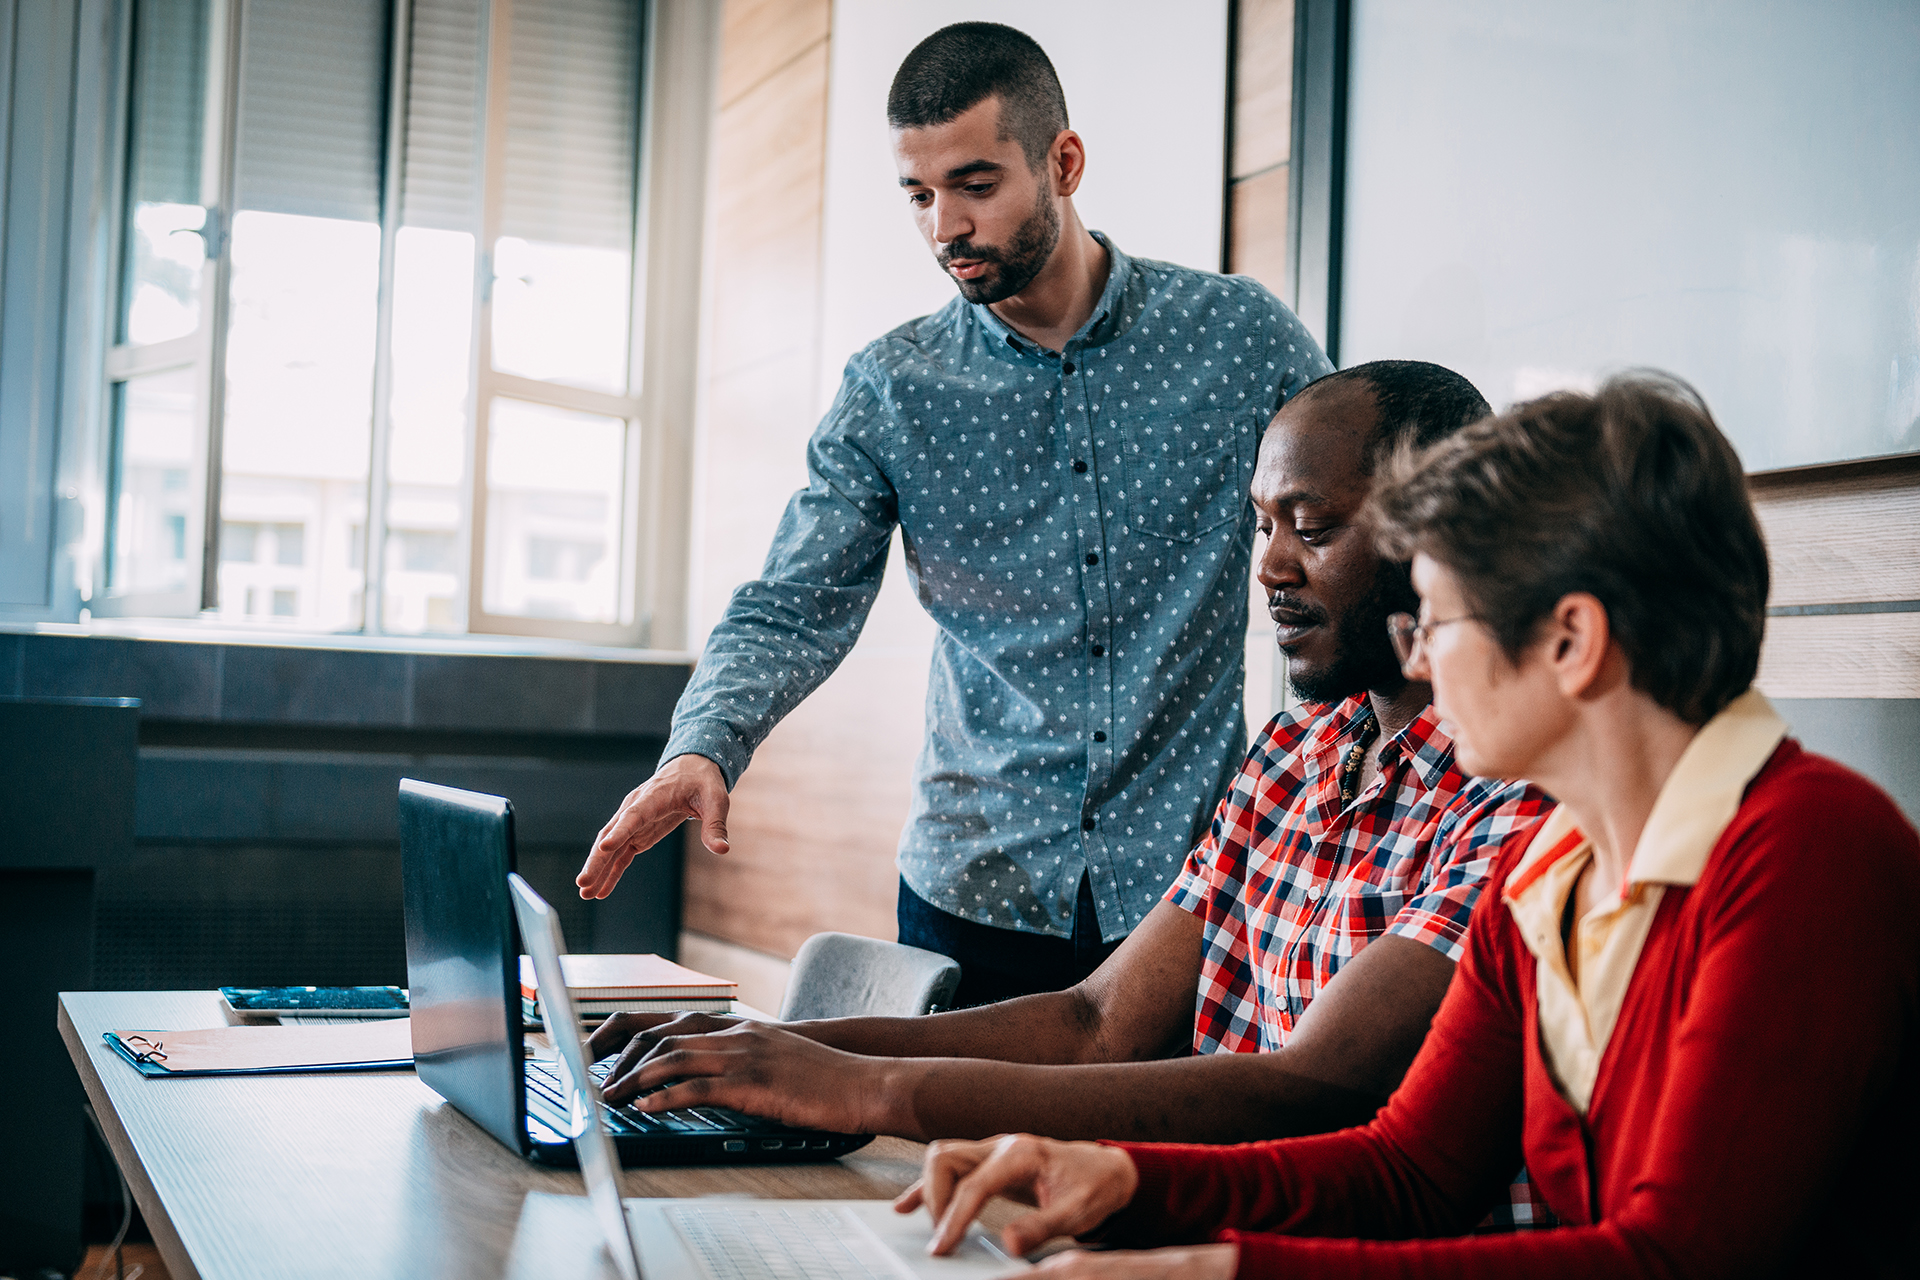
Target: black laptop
{"x":463,"y":971}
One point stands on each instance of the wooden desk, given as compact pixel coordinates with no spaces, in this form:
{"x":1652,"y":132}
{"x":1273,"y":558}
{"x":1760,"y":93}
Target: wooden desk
{"x":366,"y":1174}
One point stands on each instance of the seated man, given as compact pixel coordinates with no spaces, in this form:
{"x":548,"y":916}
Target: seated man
{"x":1288,"y":977}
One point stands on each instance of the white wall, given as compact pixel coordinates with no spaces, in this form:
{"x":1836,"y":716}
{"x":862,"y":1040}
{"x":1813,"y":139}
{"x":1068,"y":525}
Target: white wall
{"x":1146,"y":87}
{"x":1539,"y":191}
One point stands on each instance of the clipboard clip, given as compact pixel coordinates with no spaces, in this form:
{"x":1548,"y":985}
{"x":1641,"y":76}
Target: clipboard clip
{"x":152,"y":1052}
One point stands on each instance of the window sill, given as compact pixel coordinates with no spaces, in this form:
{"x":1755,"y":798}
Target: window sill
{"x":190,"y":674}
{"x":183,"y":631}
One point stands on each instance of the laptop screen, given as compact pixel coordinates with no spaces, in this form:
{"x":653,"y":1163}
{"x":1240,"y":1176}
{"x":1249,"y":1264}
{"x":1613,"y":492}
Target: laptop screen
{"x":601,"y":1168}
{"x":456,"y":850}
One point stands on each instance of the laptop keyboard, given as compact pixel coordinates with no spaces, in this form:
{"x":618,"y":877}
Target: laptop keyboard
{"x":544,"y":1082}
{"x":739,"y":1241}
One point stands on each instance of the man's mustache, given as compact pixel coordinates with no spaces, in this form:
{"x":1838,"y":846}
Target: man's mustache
{"x":1293,"y":609}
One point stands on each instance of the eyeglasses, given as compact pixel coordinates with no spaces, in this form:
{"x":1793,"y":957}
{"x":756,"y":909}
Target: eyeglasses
{"x":1410,"y":635}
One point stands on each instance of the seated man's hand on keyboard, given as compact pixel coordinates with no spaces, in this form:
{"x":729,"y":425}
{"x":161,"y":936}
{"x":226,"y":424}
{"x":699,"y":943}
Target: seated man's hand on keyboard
{"x":745,"y":1066}
{"x":632,"y":1034}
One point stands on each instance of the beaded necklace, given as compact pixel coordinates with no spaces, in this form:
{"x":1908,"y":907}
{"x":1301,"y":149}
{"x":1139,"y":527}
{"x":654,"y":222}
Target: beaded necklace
{"x":1356,"y":756}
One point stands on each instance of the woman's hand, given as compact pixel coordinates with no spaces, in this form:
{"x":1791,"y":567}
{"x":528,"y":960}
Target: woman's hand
{"x":1075,"y":1186}
{"x":1202,"y":1262}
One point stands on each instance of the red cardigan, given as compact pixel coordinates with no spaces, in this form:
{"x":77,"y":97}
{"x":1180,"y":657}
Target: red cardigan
{"x":1756,"y":1109}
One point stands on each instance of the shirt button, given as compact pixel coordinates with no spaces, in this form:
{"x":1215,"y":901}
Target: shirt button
{"x":1079,"y":464}
{"x":1098,"y":736}
{"x":1067,"y":367}
{"x":1098,"y":650}
{"x":1086,"y":824}
{"x":1313,"y":893}
{"x":1092,"y":558}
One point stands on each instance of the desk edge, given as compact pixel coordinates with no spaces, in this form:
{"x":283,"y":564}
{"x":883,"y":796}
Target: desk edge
{"x":172,"y":1250}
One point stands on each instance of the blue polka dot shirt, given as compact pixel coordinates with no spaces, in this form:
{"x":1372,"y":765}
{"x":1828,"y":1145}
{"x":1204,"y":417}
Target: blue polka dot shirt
{"x":1077,"y":524}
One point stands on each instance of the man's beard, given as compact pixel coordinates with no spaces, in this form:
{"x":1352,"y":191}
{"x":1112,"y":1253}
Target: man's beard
{"x":1019,"y":262}
{"x":1363,"y":656}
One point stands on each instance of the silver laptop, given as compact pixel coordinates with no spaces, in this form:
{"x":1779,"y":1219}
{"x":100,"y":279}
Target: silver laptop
{"x":723,"y":1239}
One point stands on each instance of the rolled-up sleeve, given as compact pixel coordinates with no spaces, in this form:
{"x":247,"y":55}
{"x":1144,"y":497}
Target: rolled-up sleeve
{"x":785,"y":632}
{"x":1463,"y":851}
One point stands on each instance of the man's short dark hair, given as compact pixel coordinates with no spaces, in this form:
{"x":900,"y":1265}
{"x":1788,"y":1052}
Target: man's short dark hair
{"x":958,"y":67}
{"x":1631,"y":495}
{"x":1418,"y":403}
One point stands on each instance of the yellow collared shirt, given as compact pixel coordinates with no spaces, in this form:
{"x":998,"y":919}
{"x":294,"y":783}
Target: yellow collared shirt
{"x":1695,"y":805}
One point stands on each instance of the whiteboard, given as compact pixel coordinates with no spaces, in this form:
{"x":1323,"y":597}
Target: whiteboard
{"x":1146,"y":87}
{"x":1540,"y":192}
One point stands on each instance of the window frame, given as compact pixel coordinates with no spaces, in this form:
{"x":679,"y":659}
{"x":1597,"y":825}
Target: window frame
{"x":677,"y":79}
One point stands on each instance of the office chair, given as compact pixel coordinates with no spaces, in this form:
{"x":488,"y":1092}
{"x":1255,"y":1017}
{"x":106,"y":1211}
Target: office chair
{"x":838,"y":975}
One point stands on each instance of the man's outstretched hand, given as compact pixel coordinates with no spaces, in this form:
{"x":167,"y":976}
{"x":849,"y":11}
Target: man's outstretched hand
{"x":685,"y":787}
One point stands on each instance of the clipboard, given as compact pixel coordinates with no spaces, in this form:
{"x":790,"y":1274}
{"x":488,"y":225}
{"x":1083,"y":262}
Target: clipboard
{"x":385,"y":1045}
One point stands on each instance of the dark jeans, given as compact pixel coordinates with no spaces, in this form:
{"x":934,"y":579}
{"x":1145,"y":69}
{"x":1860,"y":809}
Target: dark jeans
{"x":999,"y":964}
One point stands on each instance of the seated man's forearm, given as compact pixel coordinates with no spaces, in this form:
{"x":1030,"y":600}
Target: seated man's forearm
{"x":1212,"y":1098}
{"x":1054,"y":1027}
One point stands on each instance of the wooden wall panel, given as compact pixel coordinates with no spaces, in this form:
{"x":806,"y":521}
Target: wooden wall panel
{"x":1262,"y":86}
{"x":1874,"y":655}
{"x":1258,"y":244}
{"x":761,"y":36}
{"x":817,"y":817}
{"x":769,"y":157}
{"x":1842,"y":537}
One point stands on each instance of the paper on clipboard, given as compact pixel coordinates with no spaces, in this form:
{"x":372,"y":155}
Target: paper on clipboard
{"x":349,"y":1046}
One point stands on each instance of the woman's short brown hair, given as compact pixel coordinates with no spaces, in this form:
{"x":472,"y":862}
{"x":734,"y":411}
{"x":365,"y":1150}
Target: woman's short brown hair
{"x":1632,"y":495}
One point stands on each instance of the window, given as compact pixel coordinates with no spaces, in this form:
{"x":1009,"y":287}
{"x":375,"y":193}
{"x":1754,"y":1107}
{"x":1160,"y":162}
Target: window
{"x":375,"y":360}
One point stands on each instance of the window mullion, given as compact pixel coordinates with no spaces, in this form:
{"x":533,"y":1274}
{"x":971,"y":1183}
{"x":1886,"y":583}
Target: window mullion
{"x":217,"y":179}
{"x":499,"y":26}
{"x":373,"y":557}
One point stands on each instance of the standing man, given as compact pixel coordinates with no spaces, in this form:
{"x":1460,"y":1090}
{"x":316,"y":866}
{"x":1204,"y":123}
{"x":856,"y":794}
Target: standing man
{"x":1066,"y":448}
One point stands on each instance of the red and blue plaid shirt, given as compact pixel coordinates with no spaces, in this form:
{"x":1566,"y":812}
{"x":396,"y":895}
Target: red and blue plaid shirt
{"x":1291,"y":885}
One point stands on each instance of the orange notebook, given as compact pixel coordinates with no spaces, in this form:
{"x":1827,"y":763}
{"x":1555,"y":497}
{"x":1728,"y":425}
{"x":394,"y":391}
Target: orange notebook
{"x":210,"y":1051}
{"x":629,"y":977}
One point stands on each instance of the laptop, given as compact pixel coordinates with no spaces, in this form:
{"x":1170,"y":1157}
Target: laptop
{"x":463,"y":975}
{"x":723,"y":1239}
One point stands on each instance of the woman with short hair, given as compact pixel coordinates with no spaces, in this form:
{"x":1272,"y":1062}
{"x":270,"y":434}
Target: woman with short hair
{"x":1690,"y":1008}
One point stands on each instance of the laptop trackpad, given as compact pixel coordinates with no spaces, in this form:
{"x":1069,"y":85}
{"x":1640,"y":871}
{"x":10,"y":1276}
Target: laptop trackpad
{"x":907,"y":1235}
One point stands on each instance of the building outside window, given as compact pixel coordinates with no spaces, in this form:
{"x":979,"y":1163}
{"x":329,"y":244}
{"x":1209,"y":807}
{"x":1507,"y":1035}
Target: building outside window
{"x":375,"y":353}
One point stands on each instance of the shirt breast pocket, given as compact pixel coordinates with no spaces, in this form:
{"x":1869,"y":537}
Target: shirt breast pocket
{"x":1184,"y":477}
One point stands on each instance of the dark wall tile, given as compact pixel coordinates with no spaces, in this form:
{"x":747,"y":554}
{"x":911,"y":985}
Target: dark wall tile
{"x":67,"y":796}
{"x":535,"y":695}
{"x":644,"y":913}
{"x":555,"y":802}
{"x":352,"y":800}
{"x":189,"y":796}
{"x":637,"y":697}
{"x":265,"y":684}
{"x":174,"y":681}
{"x":13,"y":657}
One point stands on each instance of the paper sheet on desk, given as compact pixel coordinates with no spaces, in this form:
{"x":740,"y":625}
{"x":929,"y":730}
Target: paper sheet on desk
{"x":349,"y":1046}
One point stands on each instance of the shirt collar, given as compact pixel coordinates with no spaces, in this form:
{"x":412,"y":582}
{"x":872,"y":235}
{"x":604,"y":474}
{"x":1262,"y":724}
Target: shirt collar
{"x":1695,"y":806}
{"x":1423,"y":743}
{"x":1428,"y":746}
{"x":1704,"y":791}
{"x":1100,"y":327}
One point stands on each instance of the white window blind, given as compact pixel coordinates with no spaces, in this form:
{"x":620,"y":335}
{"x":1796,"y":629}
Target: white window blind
{"x":312,"y":107}
{"x":571,"y":122}
{"x":445,"y":107}
{"x":169,"y":79}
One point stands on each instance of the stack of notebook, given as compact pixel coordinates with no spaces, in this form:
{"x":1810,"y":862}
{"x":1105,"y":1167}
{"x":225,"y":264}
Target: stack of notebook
{"x":601,"y":985}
